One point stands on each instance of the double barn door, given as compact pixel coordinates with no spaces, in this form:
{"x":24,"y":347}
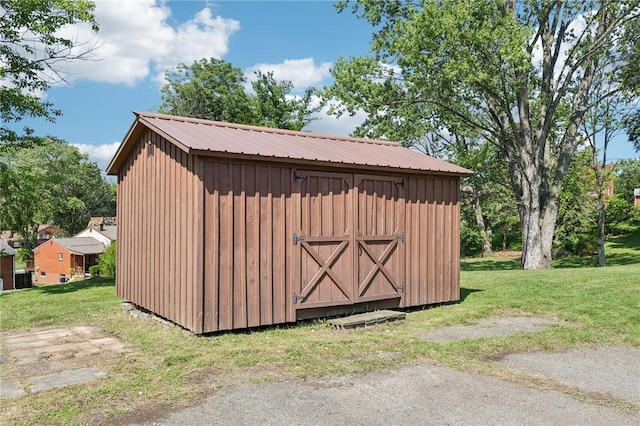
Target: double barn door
{"x":348,"y":238}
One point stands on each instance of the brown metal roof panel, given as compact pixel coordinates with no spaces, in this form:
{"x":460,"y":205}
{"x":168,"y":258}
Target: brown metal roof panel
{"x":212,"y":136}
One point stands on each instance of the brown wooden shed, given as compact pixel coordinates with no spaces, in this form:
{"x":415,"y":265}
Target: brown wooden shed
{"x":224,"y":226}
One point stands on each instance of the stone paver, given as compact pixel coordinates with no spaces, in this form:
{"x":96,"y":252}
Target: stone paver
{"x":10,"y":388}
{"x":54,"y":357}
{"x":491,"y":327}
{"x":65,"y":378}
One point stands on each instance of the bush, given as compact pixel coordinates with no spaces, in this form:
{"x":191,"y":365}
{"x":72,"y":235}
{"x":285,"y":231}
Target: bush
{"x":107,"y":262}
{"x":94,"y":270}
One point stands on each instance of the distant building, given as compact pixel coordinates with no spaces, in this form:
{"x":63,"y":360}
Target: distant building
{"x":7,"y":266}
{"x":61,"y":259}
{"x":636,"y":197}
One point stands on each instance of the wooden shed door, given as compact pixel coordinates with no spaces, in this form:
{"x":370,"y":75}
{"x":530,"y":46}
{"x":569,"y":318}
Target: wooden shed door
{"x":348,"y":239}
{"x":322,"y":239}
{"x":379,"y":237}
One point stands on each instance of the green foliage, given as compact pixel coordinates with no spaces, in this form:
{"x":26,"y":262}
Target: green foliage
{"x":107,"y":261}
{"x":31,"y":45}
{"x":468,"y":67}
{"x":274,"y":108}
{"x":94,"y":270}
{"x":627,"y":177}
{"x":51,"y":182}
{"x":576,"y":230}
{"x":622,"y":217}
{"x":214,"y":89}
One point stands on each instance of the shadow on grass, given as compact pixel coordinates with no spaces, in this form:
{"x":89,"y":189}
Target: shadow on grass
{"x":489,"y":265}
{"x":74,"y":286}
{"x":464,"y":292}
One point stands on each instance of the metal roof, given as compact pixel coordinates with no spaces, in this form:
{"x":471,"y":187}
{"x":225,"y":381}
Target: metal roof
{"x":213,"y":137}
{"x":82,"y":245}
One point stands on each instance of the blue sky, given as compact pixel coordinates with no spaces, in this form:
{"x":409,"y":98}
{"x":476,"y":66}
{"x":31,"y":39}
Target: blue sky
{"x":139,"y":39}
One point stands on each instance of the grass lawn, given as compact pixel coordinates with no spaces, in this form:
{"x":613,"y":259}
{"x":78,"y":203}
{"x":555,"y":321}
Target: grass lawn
{"x":173,"y":366}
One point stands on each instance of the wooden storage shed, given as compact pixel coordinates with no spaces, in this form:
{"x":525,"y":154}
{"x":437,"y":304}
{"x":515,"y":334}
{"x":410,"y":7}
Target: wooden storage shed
{"x":224,"y":226}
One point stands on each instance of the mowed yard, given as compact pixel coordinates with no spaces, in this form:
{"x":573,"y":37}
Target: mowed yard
{"x":170,"y":367}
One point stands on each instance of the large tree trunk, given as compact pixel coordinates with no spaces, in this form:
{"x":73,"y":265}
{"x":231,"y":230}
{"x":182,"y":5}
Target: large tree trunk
{"x":485,"y":230}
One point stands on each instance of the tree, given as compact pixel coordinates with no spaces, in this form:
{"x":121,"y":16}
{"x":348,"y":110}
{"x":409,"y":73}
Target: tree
{"x":211,"y":89}
{"x":214,"y":89}
{"x":51,"y":182}
{"x":627,"y":178}
{"x":31,"y":47}
{"x":274,"y":107}
{"x":518,"y":73}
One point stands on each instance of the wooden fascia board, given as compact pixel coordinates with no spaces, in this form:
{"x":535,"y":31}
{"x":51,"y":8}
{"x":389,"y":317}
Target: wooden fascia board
{"x":317,"y":163}
{"x":135,"y":131}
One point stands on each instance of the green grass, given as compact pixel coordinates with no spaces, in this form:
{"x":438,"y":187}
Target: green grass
{"x":173,"y":365}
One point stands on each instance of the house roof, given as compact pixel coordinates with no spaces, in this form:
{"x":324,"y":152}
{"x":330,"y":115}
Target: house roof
{"x":79,"y":245}
{"x":226,"y":139}
{"x":108,"y":231}
{"x":6,"y":249}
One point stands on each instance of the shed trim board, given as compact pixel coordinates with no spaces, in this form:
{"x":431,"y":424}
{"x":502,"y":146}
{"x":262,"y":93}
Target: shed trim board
{"x":230,"y":240}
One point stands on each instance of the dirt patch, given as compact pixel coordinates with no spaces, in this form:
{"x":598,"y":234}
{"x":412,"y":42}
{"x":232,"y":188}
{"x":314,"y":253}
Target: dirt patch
{"x":492,"y":327}
{"x":52,"y":357}
{"x":613,"y":371}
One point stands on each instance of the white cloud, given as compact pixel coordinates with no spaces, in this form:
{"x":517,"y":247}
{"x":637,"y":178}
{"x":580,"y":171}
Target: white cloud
{"x":332,"y":125}
{"x":100,"y":154}
{"x":302,"y":73}
{"x":135,"y":40}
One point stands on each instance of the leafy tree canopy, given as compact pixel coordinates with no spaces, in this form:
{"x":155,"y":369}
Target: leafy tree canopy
{"x":517,"y":73}
{"x":214,"y":89}
{"x":31,"y":46}
{"x":51,"y":182}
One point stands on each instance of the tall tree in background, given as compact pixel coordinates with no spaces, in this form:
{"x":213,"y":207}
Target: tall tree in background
{"x":517,"y":72}
{"x":214,"y":89}
{"x":31,"y":47}
{"x":211,"y":89}
{"x":274,"y":107}
{"x":51,"y":182}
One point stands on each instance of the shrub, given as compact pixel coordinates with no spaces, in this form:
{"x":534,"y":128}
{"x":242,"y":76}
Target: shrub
{"x":94,"y":270}
{"x":107,"y":262}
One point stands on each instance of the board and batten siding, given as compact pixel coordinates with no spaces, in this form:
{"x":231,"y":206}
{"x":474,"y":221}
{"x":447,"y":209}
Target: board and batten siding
{"x":433,"y":240}
{"x":160,"y":231}
{"x":247,"y":245}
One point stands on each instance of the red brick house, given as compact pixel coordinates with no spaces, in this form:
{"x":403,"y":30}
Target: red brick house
{"x":59,"y":259}
{"x":7,"y":266}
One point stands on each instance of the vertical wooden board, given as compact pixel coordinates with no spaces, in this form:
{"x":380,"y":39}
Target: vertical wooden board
{"x":198,"y":248}
{"x":431,"y":241}
{"x":252,"y":245}
{"x":448,"y":220}
{"x":414,"y":247}
{"x":439,"y":238}
{"x":190,"y":240}
{"x":424,"y":246}
{"x":165,"y":242}
{"x":153,"y":189}
{"x":238,"y":281}
{"x":225,"y":302}
{"x":290,"y":311}
{"x":264,"y":249}
{"x":212,"y":244}
{"x":281,"y":234}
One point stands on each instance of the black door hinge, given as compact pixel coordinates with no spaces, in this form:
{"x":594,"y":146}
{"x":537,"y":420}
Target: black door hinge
{"x":296,"y":297}
{"x":297,"y":238}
